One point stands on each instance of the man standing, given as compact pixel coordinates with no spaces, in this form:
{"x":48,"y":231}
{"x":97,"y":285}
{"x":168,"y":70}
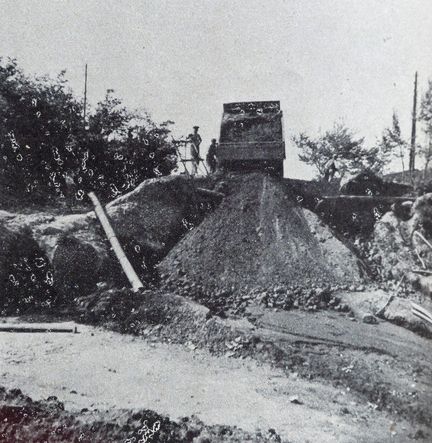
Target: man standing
{"x":330,"y":169}
{"x":195,"y":140}
{"x":211,"y":156}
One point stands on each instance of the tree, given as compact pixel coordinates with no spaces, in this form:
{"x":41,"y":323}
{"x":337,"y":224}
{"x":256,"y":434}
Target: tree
{"x":110,"y":118}
{"x":43,"y":139}
{"x":425,"y":117}
{"x":426,"y":107}
{"x":425,"y":151}
{"x":38,"y":117}
{"x":341,"y":145}
{"x":126,"y":148}
{"x":392,"y":143}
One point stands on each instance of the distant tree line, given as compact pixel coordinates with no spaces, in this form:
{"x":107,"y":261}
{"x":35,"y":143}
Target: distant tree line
{"x":44,"y":141}
{"x":341,"y":145}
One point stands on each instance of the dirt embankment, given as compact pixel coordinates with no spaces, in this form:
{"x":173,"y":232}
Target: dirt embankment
{"x":148,"y":222}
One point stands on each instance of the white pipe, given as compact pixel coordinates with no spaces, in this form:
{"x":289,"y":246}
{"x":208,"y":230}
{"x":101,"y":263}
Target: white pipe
{"x":121,"y":256}
{"x":420,"y":315}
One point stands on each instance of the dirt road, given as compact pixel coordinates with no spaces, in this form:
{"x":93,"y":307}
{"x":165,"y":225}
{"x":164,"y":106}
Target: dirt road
{"x":101,"y":369}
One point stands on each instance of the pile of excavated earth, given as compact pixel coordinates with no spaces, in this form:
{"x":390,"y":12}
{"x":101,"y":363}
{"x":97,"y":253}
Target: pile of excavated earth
{"x":260,"y":237}
{"x":258,"y":242}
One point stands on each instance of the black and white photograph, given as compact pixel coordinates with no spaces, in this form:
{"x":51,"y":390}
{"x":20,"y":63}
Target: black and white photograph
{"x":215,"y":221}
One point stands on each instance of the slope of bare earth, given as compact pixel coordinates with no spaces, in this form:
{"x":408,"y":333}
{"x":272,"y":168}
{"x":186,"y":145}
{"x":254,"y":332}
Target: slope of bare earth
{"x":148,"y":221}
{"x":105,"y":370}
{"x":137,"y":214}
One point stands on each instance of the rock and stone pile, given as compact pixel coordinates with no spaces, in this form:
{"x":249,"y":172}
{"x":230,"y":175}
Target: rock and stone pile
{"x":396,"y":246}
{"x":390,"y":249}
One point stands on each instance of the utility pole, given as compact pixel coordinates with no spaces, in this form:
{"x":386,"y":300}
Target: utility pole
{"x":413,"y":129}
{"x":85,"y":94}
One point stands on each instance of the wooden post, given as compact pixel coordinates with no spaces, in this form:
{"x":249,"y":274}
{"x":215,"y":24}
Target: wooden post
{"x":190,"y":177}
{"x":118,"y":250}
{"x":413,"y":129}
{"x":85,"y":95}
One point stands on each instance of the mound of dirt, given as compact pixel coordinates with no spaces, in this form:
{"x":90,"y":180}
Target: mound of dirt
{"x":368,"y":183}
{"x":260,"y":237}
{"x":357,"y":218}
{"x":155,"y":214}
{"x":168,"y":317}
{"x":352,"y":219}
{"x":72,"y":261}
{"x":25,"y":420}
{"x":26,"y":278}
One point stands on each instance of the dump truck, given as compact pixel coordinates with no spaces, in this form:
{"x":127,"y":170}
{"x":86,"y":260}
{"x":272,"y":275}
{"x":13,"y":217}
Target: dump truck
{"x":251,"y":137}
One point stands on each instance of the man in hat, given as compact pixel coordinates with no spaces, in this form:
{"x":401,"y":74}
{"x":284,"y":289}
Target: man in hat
{"x":195,"y":140}
{"x":211,"y":156}
{"x":330,"y":169}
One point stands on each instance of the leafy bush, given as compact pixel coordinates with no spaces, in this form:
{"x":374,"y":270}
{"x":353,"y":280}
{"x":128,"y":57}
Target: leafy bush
{"x":46,"y":144}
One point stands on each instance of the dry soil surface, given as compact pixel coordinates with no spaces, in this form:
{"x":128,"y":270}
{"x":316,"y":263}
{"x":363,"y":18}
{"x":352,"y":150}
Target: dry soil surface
{"x":101,"y":369}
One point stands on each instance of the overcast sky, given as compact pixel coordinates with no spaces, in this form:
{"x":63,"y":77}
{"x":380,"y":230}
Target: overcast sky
{"x":325,"y":60}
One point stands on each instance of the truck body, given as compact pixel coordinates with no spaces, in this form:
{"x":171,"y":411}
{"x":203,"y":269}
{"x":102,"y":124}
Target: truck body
{"x":251,"y":137}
